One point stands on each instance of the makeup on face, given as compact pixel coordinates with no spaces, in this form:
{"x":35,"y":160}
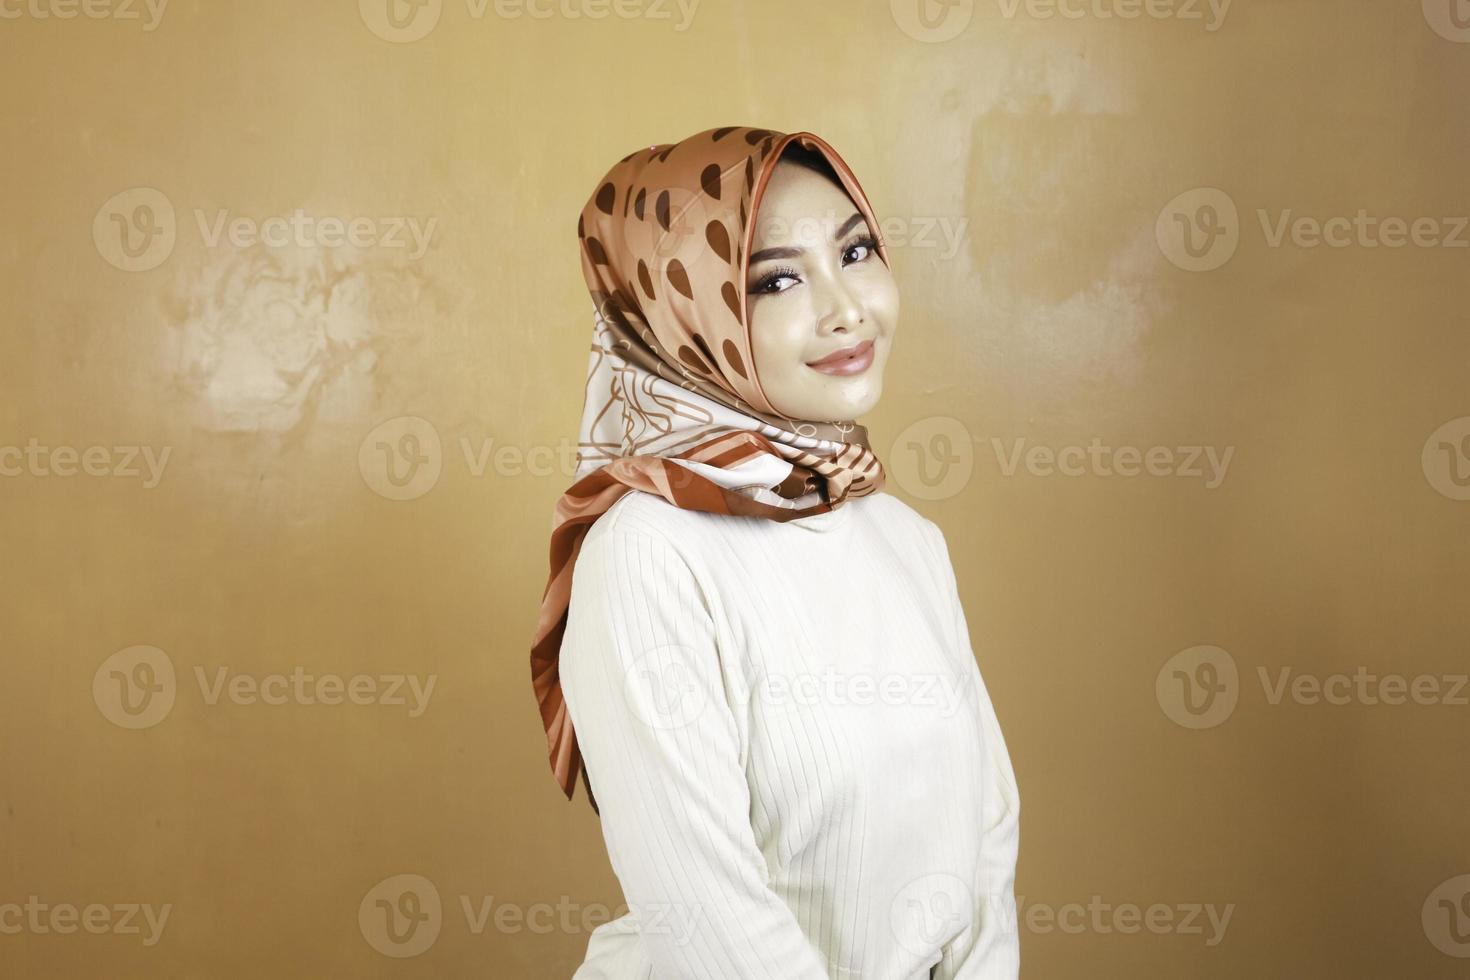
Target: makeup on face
{"x":821,"y":299}
{"x":852,"y":358}
{"x":847,"y":361}
{"x":854,"y":226}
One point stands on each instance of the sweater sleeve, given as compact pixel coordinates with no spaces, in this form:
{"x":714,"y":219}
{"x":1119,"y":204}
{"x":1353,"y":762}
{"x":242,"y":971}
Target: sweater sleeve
{"x":642,"y":678}
{"x":990,"y":947}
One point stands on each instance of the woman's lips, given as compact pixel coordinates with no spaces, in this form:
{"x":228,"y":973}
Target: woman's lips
{"x":849,"y":360}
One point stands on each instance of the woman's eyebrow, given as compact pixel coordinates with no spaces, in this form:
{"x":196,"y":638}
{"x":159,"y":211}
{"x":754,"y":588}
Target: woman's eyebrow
{"x":791,"y":253}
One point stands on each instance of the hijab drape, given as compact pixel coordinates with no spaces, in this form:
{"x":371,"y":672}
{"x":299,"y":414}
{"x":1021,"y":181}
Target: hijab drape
{"x":673,"y":403}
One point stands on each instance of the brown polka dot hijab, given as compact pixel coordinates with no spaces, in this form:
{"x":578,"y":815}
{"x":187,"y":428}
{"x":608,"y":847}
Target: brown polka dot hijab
{"x":673,"y":404}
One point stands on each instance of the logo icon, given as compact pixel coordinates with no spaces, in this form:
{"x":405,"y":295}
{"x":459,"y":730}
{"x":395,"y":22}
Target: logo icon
{"x":930,"y":911}
{"x":1198,"y":687}
{"x":1450,"y":19}
{"x":662,"y":689}
{"x":400,"y":21}
{"x":135,"y":688}
{"x":1446,"y":459}
{"x":401,"y":916}
{"x":933,"y":458}
{"x":135,"y":230}
{"x":402,"y":458}
{"x":1446,"y":917}
{"x":932,"y":21}
{"x":1199,"y":230}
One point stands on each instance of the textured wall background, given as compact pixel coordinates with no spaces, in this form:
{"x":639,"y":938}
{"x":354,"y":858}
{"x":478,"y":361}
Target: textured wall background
{"x":1182,"y":375}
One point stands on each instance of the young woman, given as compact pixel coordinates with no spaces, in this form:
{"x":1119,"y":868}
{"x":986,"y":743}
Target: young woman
{"x":756,"y":657}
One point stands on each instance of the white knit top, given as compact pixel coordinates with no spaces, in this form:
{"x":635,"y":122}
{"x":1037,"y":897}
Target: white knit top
{"x":799,"y":770}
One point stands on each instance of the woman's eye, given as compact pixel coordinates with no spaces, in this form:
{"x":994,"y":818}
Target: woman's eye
{"x":858,"y":251}
{"x":772,"y":282}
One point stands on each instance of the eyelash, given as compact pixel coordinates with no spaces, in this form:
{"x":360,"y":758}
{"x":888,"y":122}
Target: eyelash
{"x":786,"y":272}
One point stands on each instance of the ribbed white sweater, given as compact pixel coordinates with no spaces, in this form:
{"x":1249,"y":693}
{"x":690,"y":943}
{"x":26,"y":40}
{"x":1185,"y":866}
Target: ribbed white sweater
{"x":800,"y":773}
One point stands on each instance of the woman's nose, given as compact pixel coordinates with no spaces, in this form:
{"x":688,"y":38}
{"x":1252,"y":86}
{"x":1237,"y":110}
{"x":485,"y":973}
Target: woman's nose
{"x":840,"y":308}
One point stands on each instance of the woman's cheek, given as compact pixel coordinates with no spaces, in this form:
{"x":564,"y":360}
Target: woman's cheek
{"x":881,"y":300}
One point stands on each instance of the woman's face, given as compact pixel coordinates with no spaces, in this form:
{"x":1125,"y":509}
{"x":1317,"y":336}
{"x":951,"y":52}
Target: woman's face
{"x":817,"y":286}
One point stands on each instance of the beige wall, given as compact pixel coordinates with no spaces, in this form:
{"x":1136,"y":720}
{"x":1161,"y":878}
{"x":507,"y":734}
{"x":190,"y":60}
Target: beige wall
{"x":1063,"y":307}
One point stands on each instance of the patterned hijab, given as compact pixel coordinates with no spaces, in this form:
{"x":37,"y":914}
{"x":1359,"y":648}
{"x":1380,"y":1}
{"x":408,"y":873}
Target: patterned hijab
{"x":673,"y":405}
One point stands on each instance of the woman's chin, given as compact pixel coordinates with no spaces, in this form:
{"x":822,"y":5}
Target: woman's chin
{"x":835,"y":399}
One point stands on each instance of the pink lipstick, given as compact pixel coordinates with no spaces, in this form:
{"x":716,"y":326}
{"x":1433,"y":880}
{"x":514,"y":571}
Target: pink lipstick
{"x":849,"y":360}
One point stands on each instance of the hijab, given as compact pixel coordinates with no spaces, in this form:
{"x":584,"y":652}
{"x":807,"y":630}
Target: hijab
{"x":673,"y":405}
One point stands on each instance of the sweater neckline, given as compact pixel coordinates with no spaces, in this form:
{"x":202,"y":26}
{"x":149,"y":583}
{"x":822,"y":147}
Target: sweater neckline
{"x":827,"y":521}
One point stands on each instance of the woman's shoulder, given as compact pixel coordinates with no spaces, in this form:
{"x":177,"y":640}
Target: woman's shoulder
{"x":649,"y":513}
{"x":642,"y":536}
{"x":637,"y":513}
{"x":637,"y":516}
{"x":645,"y":530}
{"x":886,"y":507}
{"x":635,"y":548}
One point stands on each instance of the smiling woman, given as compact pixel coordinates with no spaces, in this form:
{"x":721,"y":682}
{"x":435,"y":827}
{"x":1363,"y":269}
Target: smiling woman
{"x":744,"y":644}
{"x":823,"y":304}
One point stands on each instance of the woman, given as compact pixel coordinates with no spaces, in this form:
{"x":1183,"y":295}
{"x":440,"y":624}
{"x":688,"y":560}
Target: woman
{"x":755,"y":657}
